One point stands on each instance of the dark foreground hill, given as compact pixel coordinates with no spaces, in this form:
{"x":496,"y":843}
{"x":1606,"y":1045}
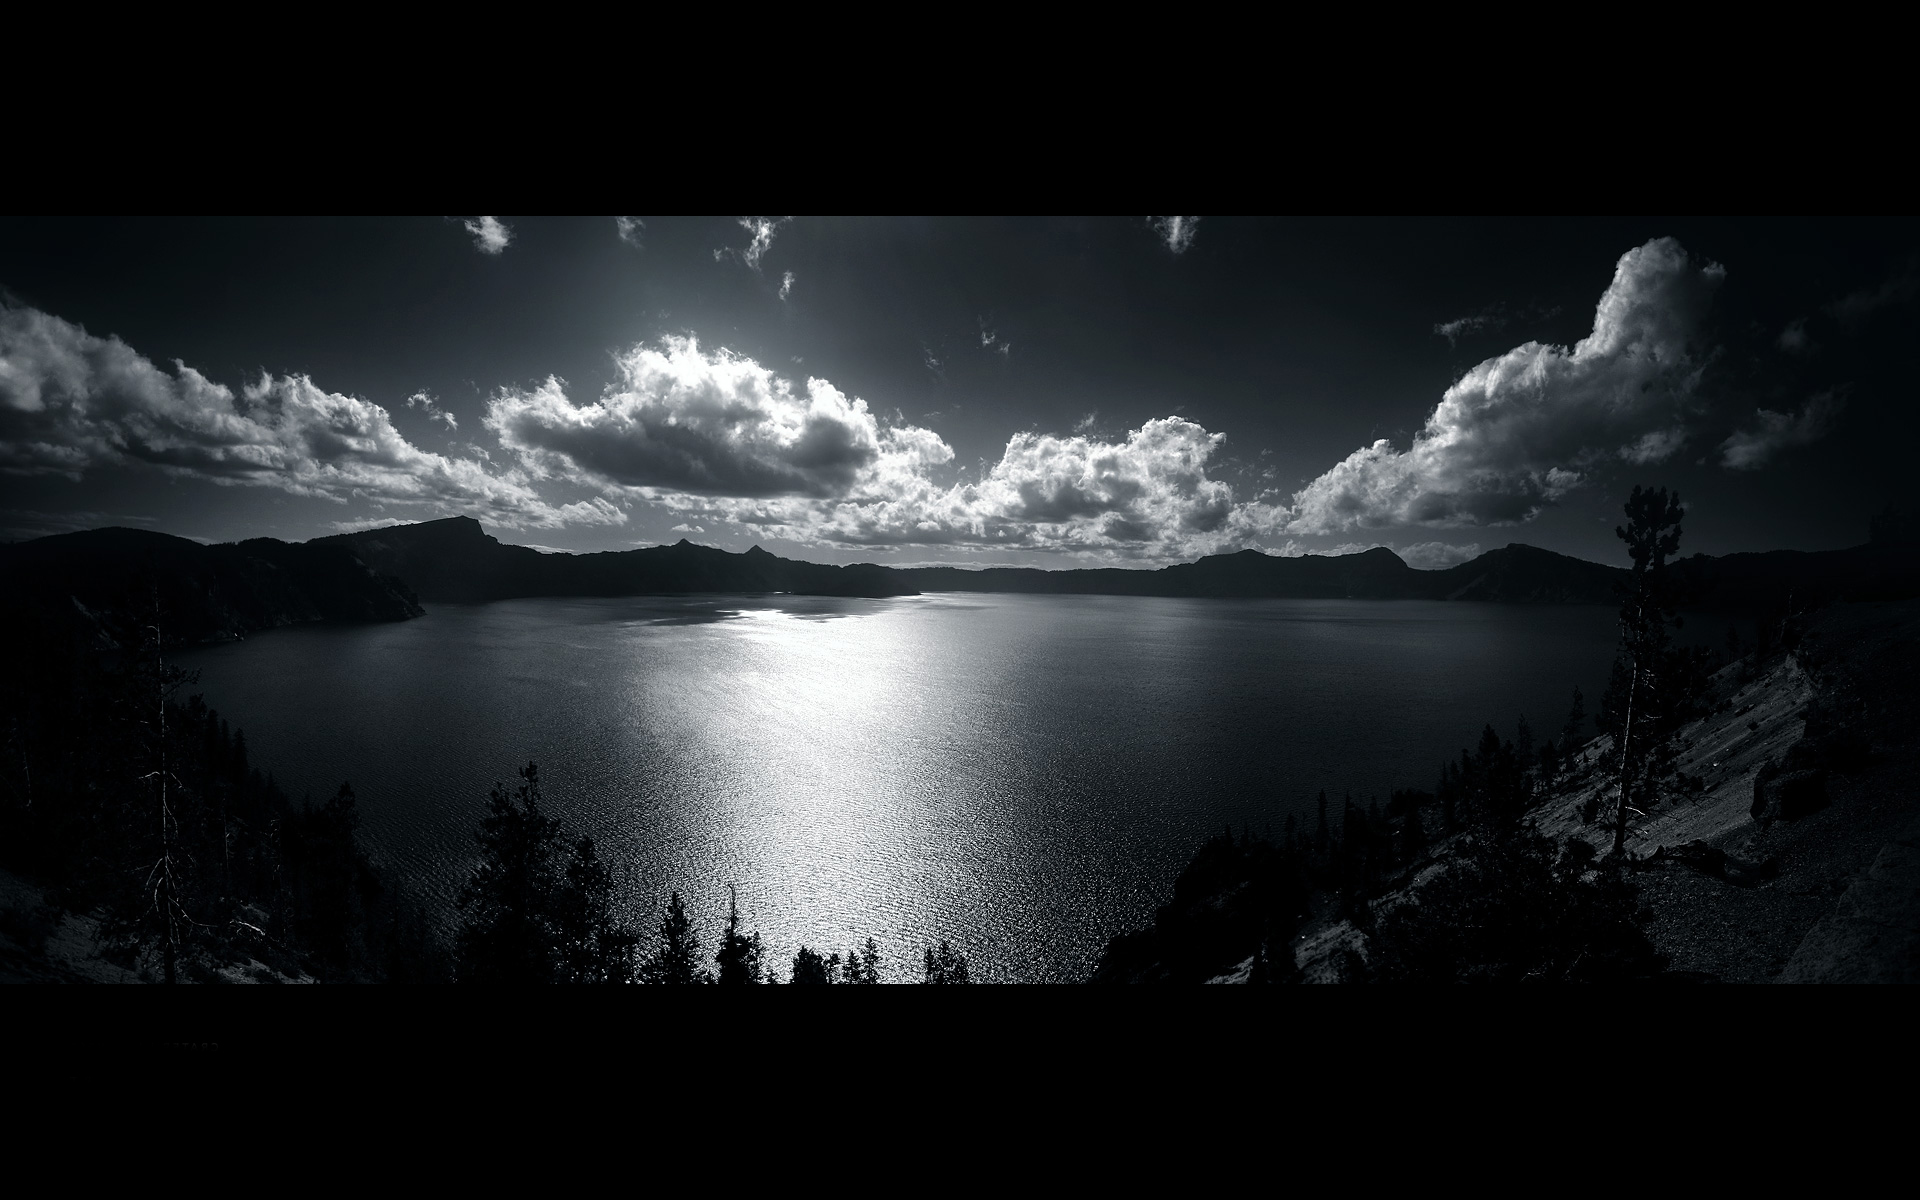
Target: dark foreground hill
{"x":110,"y":578}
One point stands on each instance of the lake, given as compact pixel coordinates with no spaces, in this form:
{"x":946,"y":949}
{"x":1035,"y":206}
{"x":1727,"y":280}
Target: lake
{"x":1021,"y":775}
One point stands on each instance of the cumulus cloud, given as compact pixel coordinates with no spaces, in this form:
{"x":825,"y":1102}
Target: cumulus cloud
{"x":425,"y":402}
{"x":762,"y":230}
{"x":1518,"y":431}
{"x":630,"y":229}
{"x":786,"y":284}
{"x":1752,"y":448}
{"x":717,"y":436}
{"x":490,"y":234}
{"x":989,"y":340}
{"x":1176,"y":232}
{"x":1148,"y":496}
{"x":72,"y":403}
{"x":684,"y":420}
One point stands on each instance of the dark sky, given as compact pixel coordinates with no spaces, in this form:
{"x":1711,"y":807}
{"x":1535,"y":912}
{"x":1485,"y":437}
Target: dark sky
{"x":1056,"y":392}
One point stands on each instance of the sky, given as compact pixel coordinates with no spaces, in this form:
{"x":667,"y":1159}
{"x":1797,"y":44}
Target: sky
{"x":1113,"y":391}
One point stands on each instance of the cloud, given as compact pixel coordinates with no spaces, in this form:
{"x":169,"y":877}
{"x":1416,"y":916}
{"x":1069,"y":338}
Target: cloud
{"x":1087,"y":423}
{"x":425,"y":402}
{"x":685,"y":528}
{"x":72,"y":403}
{"x":685,"y":420}
{"x":1176,"y":232}
{"x":1751,"y":449}
{"x":762,"y":229}
{"x":1461,"y":327}
{"x":490,"y":234}
{"x":1147,"y":497}
{"x":1858,"y":305}
{"x":630,"y":229}
{"x":1794,"y":339}
{"x":786,"y":284}
{"x":991,"y":341}
{"x":1518,"y":431}
{"x":719,"y":438}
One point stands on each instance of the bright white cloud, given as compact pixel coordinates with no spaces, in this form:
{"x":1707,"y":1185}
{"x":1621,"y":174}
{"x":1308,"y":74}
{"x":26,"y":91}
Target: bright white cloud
{"x":490,"y":234}
{"x":786,"y":284}
{"x":719,"y":437}
{"x":71,"y":403}
{"x":1752,"y":448}
{"x":1176,"y":232}
{"x":1517,"y":432}
{"x":630,"y":229}
{"x":684,"y":420}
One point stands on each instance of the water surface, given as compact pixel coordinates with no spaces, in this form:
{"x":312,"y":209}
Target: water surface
{"x":1021,"y":775}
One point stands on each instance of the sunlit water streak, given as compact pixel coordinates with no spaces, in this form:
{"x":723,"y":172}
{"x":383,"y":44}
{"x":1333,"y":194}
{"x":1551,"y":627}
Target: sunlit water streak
{"x":1022,"y":775}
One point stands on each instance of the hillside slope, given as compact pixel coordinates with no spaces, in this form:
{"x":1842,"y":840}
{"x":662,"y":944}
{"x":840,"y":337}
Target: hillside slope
{"x":111,"y":579}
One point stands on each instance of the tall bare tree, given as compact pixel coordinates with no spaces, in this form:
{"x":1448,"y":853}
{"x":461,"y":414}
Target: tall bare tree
{"x":1652,"y":535}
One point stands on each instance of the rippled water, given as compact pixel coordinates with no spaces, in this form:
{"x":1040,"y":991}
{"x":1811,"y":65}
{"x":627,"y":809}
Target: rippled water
{"x":1022,"y":775}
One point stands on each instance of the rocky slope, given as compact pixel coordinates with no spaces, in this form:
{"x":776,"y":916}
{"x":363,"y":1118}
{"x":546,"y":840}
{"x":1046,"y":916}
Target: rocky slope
{"x":1749,"y":881}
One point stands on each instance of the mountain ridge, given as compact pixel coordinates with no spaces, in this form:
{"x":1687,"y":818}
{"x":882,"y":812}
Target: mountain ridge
{"x":232,"y":589}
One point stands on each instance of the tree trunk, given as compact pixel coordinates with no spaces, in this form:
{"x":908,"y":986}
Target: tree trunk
{"x":1626,"y":763}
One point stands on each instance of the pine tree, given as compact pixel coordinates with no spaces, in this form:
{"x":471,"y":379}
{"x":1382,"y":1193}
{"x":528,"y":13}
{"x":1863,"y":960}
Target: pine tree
{"x":506,"y":934}
{"x":677,"y":958}
{"x":1413,"y":837}
{"x":946,"y":967}
{"x":1652,"y":534}
{"x":594,"y":947}
{"x":809,"y":967}
{"x":1576,"y":717}
{"x":160,"y":913}
{"x":869,"y":963}
{"x":739,"y":955}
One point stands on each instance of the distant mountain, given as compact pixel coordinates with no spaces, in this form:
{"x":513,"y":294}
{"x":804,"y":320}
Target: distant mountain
{"x":1516,"y":573}
{"x":383,"y":574}
{"x":109,"y":579}
{"x":454,"y":560}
